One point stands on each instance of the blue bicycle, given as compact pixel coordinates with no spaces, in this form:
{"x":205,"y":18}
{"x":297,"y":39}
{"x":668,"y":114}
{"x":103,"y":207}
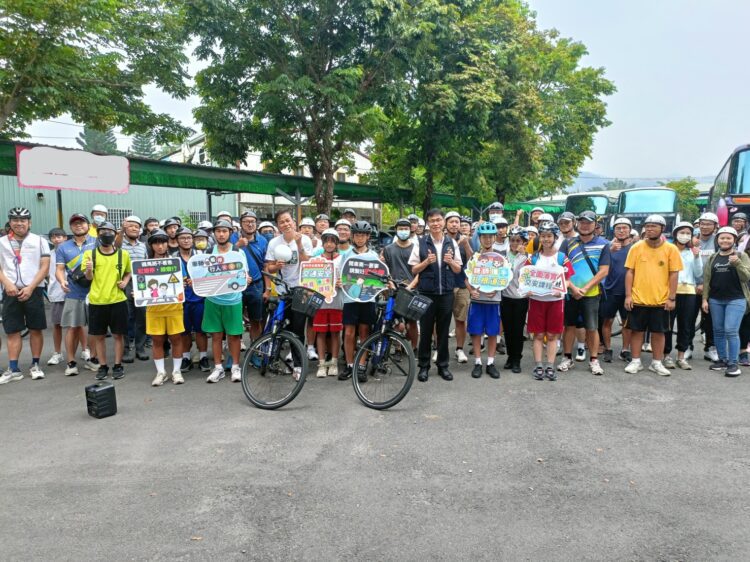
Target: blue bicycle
{"x":275,"y":366}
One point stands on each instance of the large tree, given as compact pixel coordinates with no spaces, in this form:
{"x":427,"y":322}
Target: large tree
{"x":294,"y":79}
{"x":99,"y":142}
{"x":90,"y":59}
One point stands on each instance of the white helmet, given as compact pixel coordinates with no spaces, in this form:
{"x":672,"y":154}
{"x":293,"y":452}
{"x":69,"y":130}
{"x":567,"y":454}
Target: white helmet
{"x":265,"y":224}
{"x":622,"y":220}
{"x":681,"y":225}
{"x":500,"y":221}
{"x":709,"y":217}
{"x":727,"y":230}
{"x":206,"y":225}
{"x":451,"y":214}
{"x":224,"y":214}
{"x":546,"y":217}
{"x":343,"y":222}
{"x":655,"y":219}
{"x":420,"y":222}
{"x":133,"y":218}
{"x":99,"y":209}
{"x":307,"y":221}
{"x":533,"y":229}
{"x":329,"y":232}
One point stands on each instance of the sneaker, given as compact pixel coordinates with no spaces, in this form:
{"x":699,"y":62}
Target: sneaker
{"x":102,"y":372}
{"x":118,"y":371}
{"x":659,"y":368}
{"x":732,"y":370}
{"x":204,"y":365}
{"x":501,"y":346}
{"x":216,"y":375}
{"x":476,"y":372}
{"x":452,"y":334}
{"x":646,"y":347}
{"x":684,"y":365}
{"x":128,"y":356}
{"x":186,"y":365}
{"x":346,"y":373}
{"x":634,"y":367}
{"x":711,"y":355}
{"x":689,"y":353}
{"x":626,"y":356}
{"x":236,"y":373}
{"x":565,"y":365}
{"x":745,"y":359}
{"x":71,"y":370}
{"x":538,"y":373}
{"x":361,"y":373}
{"x":159,"y":379}
{"x":297,"y":373}
{"x":596,"y":368}
{"x":607,"y":356}
{"x":461,"y":356}
{"x":668,"y":362}
{"x":56,"y":359}
{"x":434,"y":356}
{"x":92,"y":364}
{"x":581,"y":354}
{"x":333,"y":369}
{"x":492,"y":371}
{"x":86,"y":354}
{"x":550,"y":374}
{"x":312,"y":355}
{"x":718,"y":365}
{"x":36,"y":373}
{"x":177,"y":378}
{"x":322,"y":371}
{"x":10,"y":376}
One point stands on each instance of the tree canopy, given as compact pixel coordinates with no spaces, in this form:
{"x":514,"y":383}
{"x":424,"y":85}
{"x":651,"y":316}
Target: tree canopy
{"x":687,"y":194}
{"x":90,"y":59}
{"x":99,"y":142}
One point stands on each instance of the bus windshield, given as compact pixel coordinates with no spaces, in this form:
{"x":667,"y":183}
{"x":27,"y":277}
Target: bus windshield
{"x":576,"y":204}
{"x":740,"y":181}
{"x":648,"y":201}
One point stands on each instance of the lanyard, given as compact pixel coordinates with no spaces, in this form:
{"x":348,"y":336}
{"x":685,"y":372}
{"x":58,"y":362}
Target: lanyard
{"x":11,"y":238}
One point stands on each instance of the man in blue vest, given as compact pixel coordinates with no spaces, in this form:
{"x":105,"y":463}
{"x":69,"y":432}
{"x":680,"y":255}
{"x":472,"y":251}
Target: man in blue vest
{"x":436,"y":258}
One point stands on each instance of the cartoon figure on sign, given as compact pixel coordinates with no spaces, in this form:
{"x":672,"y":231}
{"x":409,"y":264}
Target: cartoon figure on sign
{"x":356,"y":289}
{"x":153,"y":286}
{"x":163,"y":290}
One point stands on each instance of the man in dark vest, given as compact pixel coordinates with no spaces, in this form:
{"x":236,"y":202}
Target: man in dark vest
{"x":436,"y":259}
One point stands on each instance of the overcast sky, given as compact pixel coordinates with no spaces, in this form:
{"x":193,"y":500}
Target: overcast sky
{"x":681,"y":71}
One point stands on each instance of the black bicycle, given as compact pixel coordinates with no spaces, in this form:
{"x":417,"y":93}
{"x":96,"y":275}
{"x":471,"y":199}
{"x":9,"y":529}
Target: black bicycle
{"x":275,"y":365}
{"x":384,"y":364}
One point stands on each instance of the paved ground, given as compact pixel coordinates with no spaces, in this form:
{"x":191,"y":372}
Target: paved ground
{"x":587,"y":468}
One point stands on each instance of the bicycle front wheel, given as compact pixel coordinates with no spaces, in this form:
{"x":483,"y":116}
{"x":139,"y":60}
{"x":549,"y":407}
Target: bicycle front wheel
{"x":384,"y":370}
{"x":274,"y":370}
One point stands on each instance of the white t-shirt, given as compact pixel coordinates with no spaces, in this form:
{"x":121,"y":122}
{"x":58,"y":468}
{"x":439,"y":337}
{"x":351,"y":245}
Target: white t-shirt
{"x":54,"y":290}
{"x":290,"y":271}
{"x":414,"y":258}
{"x":32,"y":249}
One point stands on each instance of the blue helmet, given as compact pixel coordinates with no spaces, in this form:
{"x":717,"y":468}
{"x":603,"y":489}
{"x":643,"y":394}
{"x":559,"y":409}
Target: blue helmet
{"x":487,"y":228}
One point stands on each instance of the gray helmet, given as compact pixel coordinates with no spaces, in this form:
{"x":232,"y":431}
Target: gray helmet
{"x":403,"y":222}
{"x":157,"y":235}
{"x":248,"y":214}
{"x":170,"y":222}
{"x":184,"y":230}
{"x":222,"y":224}
{"x":362,"y":227}
{"x":107,"y":226}
{"x":199,"y":233}
{"x":655,"y":219}
{"x":566,"y":216}
{"x":587,"y":216}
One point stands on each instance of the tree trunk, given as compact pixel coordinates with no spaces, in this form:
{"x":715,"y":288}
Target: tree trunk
{"x":429,"y":189}
{"x":326,"y":201}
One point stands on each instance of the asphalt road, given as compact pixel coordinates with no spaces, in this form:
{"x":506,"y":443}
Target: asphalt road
{"x":635,"y":467}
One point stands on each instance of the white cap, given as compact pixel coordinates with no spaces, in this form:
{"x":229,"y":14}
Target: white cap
{"x":133,"y":218}
{"x":99,"y":209}
{"x":623,"y":220}
{"x":709,"y":217}
{"x":307,"y":221}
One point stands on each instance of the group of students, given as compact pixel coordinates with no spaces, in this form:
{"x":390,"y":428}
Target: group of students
{"x":652,"y":283}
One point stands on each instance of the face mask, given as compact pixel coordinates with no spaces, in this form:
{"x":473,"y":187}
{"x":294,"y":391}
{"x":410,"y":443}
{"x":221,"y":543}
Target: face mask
{"x":683,"y":237}
{"x":268,"y":236}
{"x":106,"y":239}
{"x":696,"y":232}
{"x":98,"y":219}
{"x":495,"y":217}
{"x":201,"y":244}
{"x":403,"y":234}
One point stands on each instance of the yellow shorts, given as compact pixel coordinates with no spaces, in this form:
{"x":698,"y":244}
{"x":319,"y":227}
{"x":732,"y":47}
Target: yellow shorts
{"x":166,"y":324}
{"x":461,"y":301}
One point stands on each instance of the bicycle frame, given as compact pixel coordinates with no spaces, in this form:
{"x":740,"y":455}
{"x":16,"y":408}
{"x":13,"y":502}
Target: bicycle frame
{"x":384,"y":324}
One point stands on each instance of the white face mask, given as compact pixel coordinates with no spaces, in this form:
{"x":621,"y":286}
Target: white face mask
{"x":683,"y":237}
{"x":494,"y":217}
{"x":98,"y":219}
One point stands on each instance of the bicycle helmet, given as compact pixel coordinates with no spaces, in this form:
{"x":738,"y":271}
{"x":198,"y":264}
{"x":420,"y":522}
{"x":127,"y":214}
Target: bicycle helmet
{"x":19,"y":213}
{"x":184,"y":230}
{"x":170,"y":222}
{"x":157,"y":235}
{"x":549,"y":226}
{"x":400,"y":222}
{"x":625,"y":220}
{"x":566,"y":216}
{"x":307,"y":221}
{"x":248,"y":214}
{"x":223,"y":224}
{"x":329,"y":232}
{"x":362,"y":227}
{"x":727,"y":230}
{"x":656,"y":219}
{"x":709,"y":217}
{"x":680,"y":226}
{"x":466,"y":219}
{"x":519,"y":231}
{"x":487,"y":228}
{"x":496,"y":206}
{"x":739,"y":216}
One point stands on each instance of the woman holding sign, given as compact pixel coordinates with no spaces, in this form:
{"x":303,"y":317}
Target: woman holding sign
{"x":546,"y":299}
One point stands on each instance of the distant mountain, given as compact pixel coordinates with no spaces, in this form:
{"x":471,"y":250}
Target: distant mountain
{"x":586,"y":181}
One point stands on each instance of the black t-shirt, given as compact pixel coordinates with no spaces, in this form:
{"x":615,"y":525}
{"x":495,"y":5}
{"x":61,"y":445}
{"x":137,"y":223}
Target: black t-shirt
{"x":397,"y":260}
{"x":725,"y":283}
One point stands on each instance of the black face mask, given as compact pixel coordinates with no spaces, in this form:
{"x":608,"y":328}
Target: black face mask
{"x":106,"y":239}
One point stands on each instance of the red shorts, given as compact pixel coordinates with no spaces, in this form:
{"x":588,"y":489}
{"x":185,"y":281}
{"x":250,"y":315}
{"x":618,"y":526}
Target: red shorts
{"x":545,"y":317}
{"x":328,"y":320}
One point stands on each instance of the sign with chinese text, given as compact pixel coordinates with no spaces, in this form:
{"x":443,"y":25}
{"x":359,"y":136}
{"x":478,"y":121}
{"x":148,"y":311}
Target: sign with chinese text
{"x":489,"y":272}
{"x":319,"y":275}
{"x":157,"y":281}
{"x":356,"y":280}
{"x":218,"y":274}
{"x":541,"y":281}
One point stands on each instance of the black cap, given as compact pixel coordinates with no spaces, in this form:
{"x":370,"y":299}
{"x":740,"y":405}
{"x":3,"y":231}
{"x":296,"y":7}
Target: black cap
{"x":587,"y":216}
{"x":78,"y":217}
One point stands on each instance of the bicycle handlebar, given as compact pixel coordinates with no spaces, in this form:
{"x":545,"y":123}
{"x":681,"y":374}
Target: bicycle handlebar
{"x":276,"y":279}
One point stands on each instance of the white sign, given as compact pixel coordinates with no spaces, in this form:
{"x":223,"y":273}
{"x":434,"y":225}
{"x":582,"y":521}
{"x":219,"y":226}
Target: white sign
{"x":217,"y":274}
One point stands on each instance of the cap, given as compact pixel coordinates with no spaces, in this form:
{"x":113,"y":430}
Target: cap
{"x":78,"y":217}
{"x":133,"y":218}
{"x":566,"y":216}
{"x":307,"y":221}
{"x":587,"y":216}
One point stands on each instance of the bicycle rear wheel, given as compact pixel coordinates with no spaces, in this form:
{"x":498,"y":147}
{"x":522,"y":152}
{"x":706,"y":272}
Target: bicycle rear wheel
{"x":390,"y":368}
{"x":268,"y":378}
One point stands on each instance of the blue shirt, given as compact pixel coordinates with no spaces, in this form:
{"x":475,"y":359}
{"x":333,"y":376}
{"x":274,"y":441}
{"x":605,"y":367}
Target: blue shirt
{"x":255,"y":254}
{"x":614,"y":283}
{"x":190,"y":295}
{"x":71,"y":255}
{"x":597,"y":250}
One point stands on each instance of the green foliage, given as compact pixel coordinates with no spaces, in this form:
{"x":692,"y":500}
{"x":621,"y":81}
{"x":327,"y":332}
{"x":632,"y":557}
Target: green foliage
{"x":92,"y":59}
{"x":98,"y":142}
{"x":187,"y":222}
{"x":295,"y":80}
{"x":616,"y":184}
{"x":143,"y":146}
{"x":687,"y":193}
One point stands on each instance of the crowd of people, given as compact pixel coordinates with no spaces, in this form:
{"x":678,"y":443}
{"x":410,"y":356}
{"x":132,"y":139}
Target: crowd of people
{"x":657,"y":282}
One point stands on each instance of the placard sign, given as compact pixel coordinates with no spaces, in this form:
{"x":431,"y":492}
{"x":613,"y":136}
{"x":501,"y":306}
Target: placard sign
{"x":356,"y":281}
{"x":489,"y":272}
{"x":157,"y":281}
{"x":319,"y":274}
{"x":541,"y":281}
{"x":218,"y":274}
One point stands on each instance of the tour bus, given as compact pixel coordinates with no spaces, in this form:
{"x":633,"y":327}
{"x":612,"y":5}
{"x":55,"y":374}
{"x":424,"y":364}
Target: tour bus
{"x":730,"y":193}
{"x":603,"y":205}
{"x":637,"y":204}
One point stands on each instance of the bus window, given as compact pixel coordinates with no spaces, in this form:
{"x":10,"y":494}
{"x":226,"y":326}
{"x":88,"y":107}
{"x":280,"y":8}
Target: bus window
{"x":576,"y":204}
{"x":740,"y":180}
{"x":658,"y":201}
